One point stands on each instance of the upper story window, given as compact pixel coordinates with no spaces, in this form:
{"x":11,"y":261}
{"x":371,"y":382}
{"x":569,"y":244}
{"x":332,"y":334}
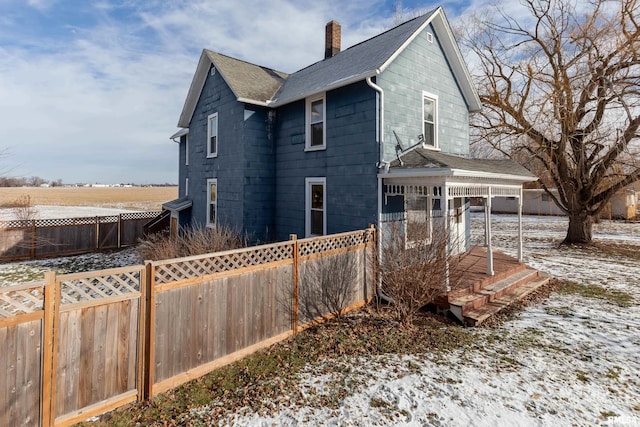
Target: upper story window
{"x":212,"y":202}
{"x":212,"y":135}
{"x":429,"y":120}
{"x":315,"y":123}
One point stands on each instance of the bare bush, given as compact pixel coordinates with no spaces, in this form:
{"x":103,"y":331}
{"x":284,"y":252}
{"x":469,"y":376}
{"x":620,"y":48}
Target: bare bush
{"x":190,"y":241}
{"x":327,"y":285}
{"x":414,"y":272}
{"x":23,"y":209}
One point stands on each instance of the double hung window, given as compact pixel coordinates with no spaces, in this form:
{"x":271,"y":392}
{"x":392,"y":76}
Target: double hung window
{"x":212,"y":135}
{"x":430,"y":120}
{"x":315,"y":121}
{"x":316,"y":202}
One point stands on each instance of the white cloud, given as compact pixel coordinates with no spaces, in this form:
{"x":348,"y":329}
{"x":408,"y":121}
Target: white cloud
{"x":100,"y":104}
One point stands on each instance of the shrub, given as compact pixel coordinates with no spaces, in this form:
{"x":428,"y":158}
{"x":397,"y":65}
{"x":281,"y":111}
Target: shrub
{"x":190,"y":241}
{"x":413,"y":273}
{"x":327,"y":286}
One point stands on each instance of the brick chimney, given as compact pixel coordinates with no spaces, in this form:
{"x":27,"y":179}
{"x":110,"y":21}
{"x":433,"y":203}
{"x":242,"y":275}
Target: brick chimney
{"x":331,"y":39}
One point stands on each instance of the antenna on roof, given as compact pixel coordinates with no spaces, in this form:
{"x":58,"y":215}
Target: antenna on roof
{"x":399,"y":148}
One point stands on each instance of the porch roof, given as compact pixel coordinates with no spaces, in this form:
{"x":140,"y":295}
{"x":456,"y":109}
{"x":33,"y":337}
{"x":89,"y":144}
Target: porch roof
{"x":178,"y":205}
{"x":424,"y":162}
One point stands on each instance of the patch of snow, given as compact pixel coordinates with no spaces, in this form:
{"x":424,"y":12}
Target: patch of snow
{"x":569,"y":360}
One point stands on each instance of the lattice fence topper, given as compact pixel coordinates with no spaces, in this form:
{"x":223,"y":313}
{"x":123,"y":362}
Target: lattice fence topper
{"x":61,"y":222}
{"x":186,"y":268}
{"x":21,"y":299}
{"x":319,"y":245}
{"x":18,"y":223}
{"x":140,"y":215}
{"x":76,"y":289}
{"x":108,"y":219}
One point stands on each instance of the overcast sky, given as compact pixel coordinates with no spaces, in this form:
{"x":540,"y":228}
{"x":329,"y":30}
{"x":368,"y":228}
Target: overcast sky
{"x":90,"y":91}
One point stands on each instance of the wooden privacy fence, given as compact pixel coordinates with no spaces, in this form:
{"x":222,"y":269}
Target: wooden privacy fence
{"x":40,"y":238}
{"x":77,"y":345}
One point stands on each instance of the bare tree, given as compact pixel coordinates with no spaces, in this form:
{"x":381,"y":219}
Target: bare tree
{"x":561,"y":93}
{"x":23,"y":209}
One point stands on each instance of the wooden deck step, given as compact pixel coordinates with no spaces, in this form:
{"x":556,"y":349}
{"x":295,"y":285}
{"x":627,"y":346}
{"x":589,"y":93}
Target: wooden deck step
{"x":460,"y":305}
{"x":476,"y":316}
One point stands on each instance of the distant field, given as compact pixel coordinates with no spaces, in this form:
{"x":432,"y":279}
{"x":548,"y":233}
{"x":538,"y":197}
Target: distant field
{"x":134,"y":198}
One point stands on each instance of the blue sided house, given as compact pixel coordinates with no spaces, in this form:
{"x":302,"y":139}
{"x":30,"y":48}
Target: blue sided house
{"x":375,"y":133}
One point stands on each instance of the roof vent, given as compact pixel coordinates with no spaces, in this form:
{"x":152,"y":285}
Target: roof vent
{"x":332,"y":39}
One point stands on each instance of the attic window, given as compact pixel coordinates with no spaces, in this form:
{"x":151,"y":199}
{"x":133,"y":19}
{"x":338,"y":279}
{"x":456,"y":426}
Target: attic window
{"x":430,"y":37}
{"x":213,"y":70}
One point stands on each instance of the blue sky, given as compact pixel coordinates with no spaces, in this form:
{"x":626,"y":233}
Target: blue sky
{"x":90,"y":91}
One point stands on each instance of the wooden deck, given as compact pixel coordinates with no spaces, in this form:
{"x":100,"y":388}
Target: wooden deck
{"x":475,"y":296}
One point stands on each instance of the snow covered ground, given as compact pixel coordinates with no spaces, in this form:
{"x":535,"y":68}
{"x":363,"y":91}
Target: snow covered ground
{"x":569,"y":360}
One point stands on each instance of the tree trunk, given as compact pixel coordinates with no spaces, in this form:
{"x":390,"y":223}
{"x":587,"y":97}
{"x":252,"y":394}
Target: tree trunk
{"x":580,"y":225}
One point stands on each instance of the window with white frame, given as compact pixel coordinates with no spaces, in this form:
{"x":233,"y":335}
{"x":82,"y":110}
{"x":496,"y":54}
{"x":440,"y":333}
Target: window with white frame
{"x":212,"y":135}
{"x":186,"y":186}
{"x":429,"y":120}
{"x":316,"y":203}
{"x":186,"y":150}
{"x":315,"y":134}
{"x":212,"y":202}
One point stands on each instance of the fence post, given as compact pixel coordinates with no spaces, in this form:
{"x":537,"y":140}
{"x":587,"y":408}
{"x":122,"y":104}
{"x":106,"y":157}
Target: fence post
{"x":294,"y":240}
{"x":48,"y":344}
{"x":369,"y":262}
{"x":119,"y":231}
{"x":149,"y":331}
{"x":97,"y":233}
{"x":33,"y":239}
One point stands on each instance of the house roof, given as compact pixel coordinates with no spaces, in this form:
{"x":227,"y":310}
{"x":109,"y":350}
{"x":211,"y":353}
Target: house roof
{"x":365,"y":59}
{"x":178,"y":205}
{"x":247,"y":81}
{"x":258,"y":85}
{"x":426,"y":159}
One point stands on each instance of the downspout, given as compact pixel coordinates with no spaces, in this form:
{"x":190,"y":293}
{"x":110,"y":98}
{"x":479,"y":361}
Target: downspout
{"x":380,"y":129}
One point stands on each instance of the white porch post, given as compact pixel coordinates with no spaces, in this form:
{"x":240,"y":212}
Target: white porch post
{"x":520,"y":226}
{"x":489,"y":248}
{"x":486,"y":219}
{"x":444,"y":205}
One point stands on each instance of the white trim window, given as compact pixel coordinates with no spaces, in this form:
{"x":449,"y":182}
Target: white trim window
{"x":429,"y":120}
{"x":186,"y":150}
{"x":212,"y":202}
{"x":212,"y":135}
{"x":315,"y":206}
{"x":315,"y":137}
{"x":186,"y":186}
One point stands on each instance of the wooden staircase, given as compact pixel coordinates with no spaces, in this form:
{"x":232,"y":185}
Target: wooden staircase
{"x":476,"y":301}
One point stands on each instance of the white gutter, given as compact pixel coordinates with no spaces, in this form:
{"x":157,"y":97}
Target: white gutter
{"x":381,"y":118}
{"x":381,"y":143}
{"x":429,"y":172}
{"x":178,"y":134}
{"x":277,"y":102}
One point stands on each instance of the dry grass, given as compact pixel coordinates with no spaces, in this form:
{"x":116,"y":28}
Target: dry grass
{"x":191,"y":241}
{"x":136,"y":198}
{"x":273,"y":373}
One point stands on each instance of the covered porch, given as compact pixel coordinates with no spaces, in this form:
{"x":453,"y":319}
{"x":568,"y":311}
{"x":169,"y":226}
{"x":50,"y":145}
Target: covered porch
{"x":429,"y":191}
